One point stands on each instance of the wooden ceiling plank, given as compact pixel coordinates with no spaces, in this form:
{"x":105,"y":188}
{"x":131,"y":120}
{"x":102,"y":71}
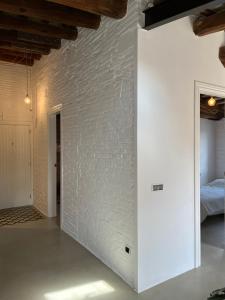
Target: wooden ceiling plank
{"x":207,"y":25}
{"x":53,"y":43}
{"x":210,"y":117}
{"x":52,"y":12}
{"x":11,"y":22}
{"x":115,"y":8}
{"x":24,"y":46}
{"x":16,"y":60}
{"x":15,"y":36}
{"x":19,"y":54}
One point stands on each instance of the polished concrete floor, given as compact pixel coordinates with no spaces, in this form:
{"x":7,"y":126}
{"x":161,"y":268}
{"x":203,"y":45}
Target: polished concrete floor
{"x":213,"y":231}
{"x":38,"y":262}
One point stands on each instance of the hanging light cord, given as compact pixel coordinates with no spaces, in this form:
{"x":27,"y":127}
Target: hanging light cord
{"x":27,"y":73}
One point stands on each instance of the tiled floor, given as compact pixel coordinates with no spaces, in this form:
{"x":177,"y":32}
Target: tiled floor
{"x":38,"y":262}
{"x":15,"y":215}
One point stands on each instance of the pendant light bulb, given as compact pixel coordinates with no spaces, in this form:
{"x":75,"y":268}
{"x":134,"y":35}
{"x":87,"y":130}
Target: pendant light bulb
{"x":27,"y":99}
{"x":212,"y":102}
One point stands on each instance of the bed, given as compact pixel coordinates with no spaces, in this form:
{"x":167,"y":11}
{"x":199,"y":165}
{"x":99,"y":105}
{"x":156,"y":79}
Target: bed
{"x":212,"y":198}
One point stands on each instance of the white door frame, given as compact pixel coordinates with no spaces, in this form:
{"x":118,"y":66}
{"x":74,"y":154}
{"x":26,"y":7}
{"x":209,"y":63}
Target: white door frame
{"x":52,"y":161}
{"x":216,"y":91}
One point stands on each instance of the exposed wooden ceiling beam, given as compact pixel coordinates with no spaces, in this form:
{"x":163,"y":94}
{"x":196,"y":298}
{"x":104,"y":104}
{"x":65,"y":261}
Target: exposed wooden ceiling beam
{"x":53,"y":43}
{"x":24,"y":46}
{"x":12,"y":22}
{"x":222,"y":55}
{"x":172,"y":10}
{"x":16,"y":59}
{"x":14,"y":36}
{"x":216,"y":117}
{"x":210,"y":24}
{"x":44,"y":10}
{"x":114,"y":8}
{"x":20,"y":54}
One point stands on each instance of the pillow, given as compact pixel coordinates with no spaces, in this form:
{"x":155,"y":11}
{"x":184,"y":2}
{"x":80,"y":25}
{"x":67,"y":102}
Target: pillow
{"x":220,"y":183}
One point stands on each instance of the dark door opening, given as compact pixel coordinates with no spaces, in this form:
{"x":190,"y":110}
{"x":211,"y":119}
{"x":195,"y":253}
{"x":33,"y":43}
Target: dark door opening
{"x":58,"y":168}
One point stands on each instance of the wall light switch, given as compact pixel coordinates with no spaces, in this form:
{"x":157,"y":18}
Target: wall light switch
{"x":157,"y":187}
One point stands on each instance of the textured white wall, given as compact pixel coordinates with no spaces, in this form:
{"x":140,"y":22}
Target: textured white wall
{"x":220,"y":148}
{"x":208,"y":148}
{"x":95,"y":80}
{"x":12,"y":93}
{"x":170,"y":59}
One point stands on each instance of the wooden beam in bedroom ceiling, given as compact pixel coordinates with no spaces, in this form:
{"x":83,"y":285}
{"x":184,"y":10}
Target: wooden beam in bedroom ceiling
{"x":51,"y":12}
{"x":216,"y":113}
{"x":16,"y":59}
{"x":15,"y":36}
{"x":212,"y":117}
{"x":11,"y":22}
{"x":114,"y":8}
{"x":172,"y":10}
{"x":211,"y":24}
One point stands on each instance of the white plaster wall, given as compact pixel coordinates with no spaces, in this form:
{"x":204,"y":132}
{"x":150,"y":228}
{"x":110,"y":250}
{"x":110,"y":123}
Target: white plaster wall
{"x":220,"y":148}
{"x":170,"y":59}
{"x":208,"y":148}
{"x":95,"y":80}
{"x":12,"y":93}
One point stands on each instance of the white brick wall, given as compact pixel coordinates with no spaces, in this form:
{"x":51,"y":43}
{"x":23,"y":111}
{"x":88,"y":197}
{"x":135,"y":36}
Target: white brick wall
{"x":95,"y":80}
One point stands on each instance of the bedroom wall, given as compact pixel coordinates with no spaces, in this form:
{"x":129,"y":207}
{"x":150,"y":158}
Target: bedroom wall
{"x":212,"y":150}
{"x":220,"y":148}
{"x":170,"y":59}
{"x":94,"y":78}
{"x":208,"y":152}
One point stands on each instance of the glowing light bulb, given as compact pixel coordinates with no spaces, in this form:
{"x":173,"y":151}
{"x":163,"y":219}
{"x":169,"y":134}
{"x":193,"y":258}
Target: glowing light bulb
{"x":212,"y":102}
{"x":27,"y":99}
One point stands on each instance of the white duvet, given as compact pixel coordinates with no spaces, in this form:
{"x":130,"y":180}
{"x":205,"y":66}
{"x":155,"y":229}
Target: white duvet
{"x":212,"y":198}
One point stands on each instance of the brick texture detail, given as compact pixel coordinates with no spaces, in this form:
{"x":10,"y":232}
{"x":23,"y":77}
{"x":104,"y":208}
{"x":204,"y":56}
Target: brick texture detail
{"x":95,"y":80}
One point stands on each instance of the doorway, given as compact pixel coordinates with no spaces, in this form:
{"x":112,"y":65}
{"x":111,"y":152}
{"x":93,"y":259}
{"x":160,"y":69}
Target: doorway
{"x":54,"y":166}
{"x":209,"y":167}
{"x":58,"y":168}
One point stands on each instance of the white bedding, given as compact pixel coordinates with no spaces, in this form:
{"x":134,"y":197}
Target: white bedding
{"x":212,"y":198}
